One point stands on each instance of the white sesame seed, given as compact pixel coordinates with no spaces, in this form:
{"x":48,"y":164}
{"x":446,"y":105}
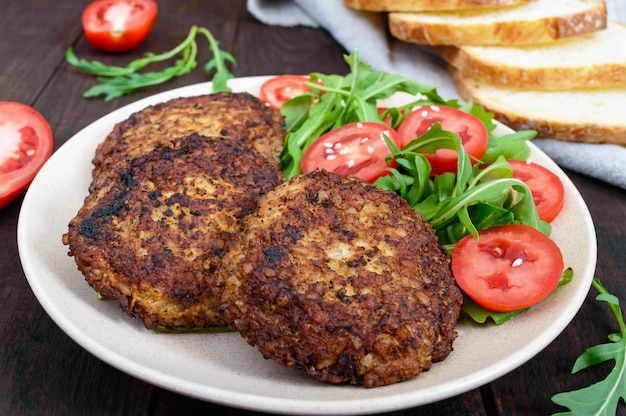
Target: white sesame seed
{"x":331,"y":157}
{"x":434,"y":108}
{"x":370,"y":149}
{"x":359,"y":125}
{"x":350,"y":163}
{"x":517,"y":262}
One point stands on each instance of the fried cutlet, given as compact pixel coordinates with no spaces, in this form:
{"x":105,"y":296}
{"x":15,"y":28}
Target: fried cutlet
{"x":342,"y":279}
{"x":153,"y":231}
{"x":226,"y":114}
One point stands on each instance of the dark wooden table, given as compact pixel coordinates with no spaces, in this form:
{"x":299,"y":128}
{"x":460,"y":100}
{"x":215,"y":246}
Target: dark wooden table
{"x":43,"y":371}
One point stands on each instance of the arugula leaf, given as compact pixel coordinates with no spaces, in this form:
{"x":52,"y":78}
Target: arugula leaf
{"x":115,"y":81}
{"x":601,"y":398}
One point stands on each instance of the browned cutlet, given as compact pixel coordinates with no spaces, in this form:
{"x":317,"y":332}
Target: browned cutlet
{"x":151,"y":232}
{"x":342,"y":279}
{"x":226,"y":114}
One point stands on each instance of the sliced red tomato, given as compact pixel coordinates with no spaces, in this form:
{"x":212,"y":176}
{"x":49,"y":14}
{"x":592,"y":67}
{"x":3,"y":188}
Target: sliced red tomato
{"x":509,"y":267}
{"x":25,"y":144}
{"x":118,"y":25}
{"x":280,"y":89}
{"x":357,"y":149}
{"x":546,"y":188}
{"x":472,"y":131}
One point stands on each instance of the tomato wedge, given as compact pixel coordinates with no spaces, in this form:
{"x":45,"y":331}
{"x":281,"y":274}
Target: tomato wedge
{"x":546,"y":188}
{"x":473,"y":133}
{"x":357,"y":149}
{"x":25,"y":144}
{"x":510,"y":267}
{"x":118,"y":25}
{"x":278,"y":90}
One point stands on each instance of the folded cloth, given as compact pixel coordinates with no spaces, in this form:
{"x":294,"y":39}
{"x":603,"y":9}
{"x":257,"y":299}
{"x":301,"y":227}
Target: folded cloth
{"x":367,"y":32}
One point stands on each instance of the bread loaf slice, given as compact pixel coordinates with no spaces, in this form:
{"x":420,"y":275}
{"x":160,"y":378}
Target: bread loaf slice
{"x":591,"y":115}
{"x":594,"y":60}
{"x":530,"y":23}
{"x":426,"y":5}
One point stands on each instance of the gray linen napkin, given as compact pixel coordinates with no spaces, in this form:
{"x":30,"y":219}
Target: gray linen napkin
{"x":367,"y":32}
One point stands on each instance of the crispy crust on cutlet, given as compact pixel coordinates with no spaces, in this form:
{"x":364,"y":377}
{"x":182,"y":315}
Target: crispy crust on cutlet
{"x":151,"y":232}
{"x":236,"y":115}
{"x":342,"y":279}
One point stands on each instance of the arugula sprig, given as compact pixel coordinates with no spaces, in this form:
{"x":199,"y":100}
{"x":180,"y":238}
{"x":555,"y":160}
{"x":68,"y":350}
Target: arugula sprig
{"x":601,"y":398}
{"x":116,"y":81}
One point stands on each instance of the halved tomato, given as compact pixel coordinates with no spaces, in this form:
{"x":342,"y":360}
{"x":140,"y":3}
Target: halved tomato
{"x":546,"y":188}
{"x":357,"y":149}
{"x":280,"y":89}
{"x":509,"y":267}
{"x":472,"y":131}
{"x":25,"y":145}
{"x":118,"y":25}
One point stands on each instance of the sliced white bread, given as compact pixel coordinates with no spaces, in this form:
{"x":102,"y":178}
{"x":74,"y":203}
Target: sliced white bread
{"x":593,"y":115}
{"x":594,"y":60}
{"x":426,"y":5}
{"x":529,"y":23}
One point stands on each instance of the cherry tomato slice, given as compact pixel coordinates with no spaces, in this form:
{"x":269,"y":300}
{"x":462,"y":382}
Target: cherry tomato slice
{"x":510,"y":267}
{"x":546,"y":188}
{"x":25,"y":144}
{"x":472,"y":131}
{"x":357,"y":149}
{"x":280,"y":89}
{"x":118,"y":25}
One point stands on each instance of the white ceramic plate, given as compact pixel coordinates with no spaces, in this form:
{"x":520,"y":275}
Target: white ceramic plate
{"x":220,"y":368}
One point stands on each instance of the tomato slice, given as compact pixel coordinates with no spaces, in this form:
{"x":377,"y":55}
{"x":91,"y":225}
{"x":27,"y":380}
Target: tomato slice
{"x":25,"y":145}
{"x":510,"y":267}
{"x":357,"y":149}
{"x":546,"y":188}
{"x":473,"y":133}
{"x":118,"y":25}
{"x":280,"y":89}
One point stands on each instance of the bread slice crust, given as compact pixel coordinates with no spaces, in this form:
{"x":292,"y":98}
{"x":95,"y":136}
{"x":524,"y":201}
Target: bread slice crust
{"x":426,"y":5}
{"x":580,"y":115}
{"x":536,"y":22}
{"x":594,"y":60}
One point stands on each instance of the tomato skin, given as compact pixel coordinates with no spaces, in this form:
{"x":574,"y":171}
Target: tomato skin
{"x":546,"y":188}
{"x":357,"y":149}
{"x":25,"y":145}
{"x":510,"y":267}
{"x":473,"y":133}
{"x":118,"y":25}
{"x":280,"y":89}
